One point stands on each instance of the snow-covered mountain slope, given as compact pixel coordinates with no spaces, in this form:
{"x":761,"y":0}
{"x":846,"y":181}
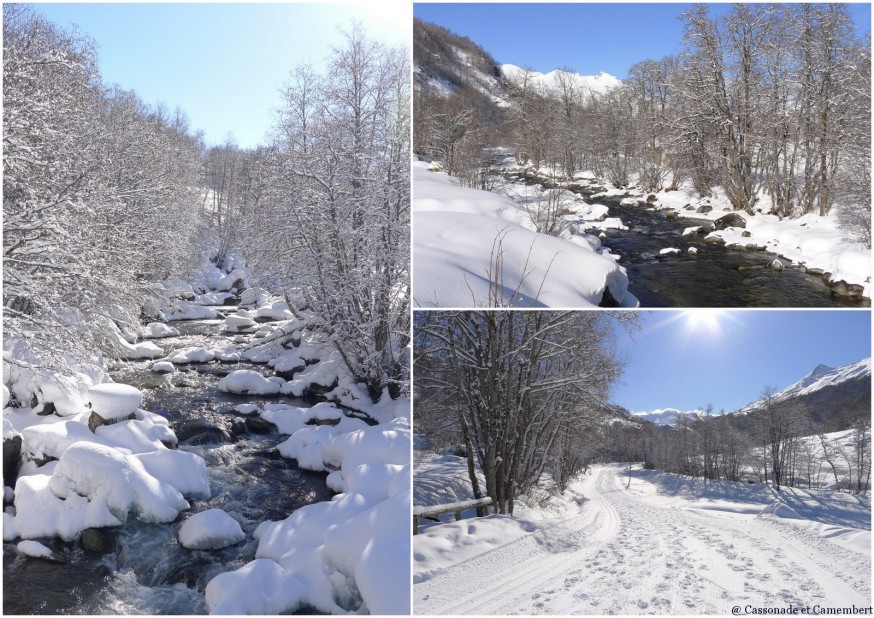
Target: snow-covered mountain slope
{"x":822,"y":377}
{"x":824,"y":390}
{"x":666,"y":416}
{"x":550,"y":82}
{"x":446,"y":64}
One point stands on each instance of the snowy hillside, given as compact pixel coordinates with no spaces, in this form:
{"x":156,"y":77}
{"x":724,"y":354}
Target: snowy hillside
{"x":820,"y":378}
{"x":549,"y":82}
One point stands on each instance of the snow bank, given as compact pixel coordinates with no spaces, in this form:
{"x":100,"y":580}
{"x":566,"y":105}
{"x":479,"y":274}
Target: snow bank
{"x":40,"y":513}
{"x":262,"y":587}
{"x":248,"y":382}
{"x":210,"y":529}
{"x":111,"y":401}
{"x":458,"y":234}
{"x":51,"y":440}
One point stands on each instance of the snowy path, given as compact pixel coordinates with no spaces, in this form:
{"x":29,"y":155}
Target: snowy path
{"x":633,"y":551}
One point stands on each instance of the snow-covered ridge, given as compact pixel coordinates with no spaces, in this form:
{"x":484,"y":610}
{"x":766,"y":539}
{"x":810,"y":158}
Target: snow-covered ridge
{"x":821,"y":377}
{"x":666,"y":416}
{"x":601,"y":83}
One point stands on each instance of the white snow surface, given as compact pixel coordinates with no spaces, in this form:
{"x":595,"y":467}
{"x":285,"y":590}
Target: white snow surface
{"x":643,"y":542}
{"x":210,"y":529}
{"x":458,"y":232}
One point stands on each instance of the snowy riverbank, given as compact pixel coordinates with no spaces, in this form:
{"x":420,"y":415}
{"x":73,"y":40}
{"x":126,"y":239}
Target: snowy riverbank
{"x":477,"y":248}
{"x":92,"y":456}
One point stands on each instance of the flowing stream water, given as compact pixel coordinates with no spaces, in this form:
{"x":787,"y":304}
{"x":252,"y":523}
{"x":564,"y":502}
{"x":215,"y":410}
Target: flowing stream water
{"x":150,"y":572}
{"x":717,"y":277}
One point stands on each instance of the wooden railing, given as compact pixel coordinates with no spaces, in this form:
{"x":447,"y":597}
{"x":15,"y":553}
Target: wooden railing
{"x":442,"y":509}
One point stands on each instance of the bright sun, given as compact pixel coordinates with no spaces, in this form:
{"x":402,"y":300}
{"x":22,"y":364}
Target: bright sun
{"x":704,"y":319}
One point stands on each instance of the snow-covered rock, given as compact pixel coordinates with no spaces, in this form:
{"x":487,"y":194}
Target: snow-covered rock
{"x":254,"y":296}
{"x":210,"y":529}
{"x":248,"y":382}
{"x":35,"y":550}
{"x":140,"y":351}
{"x":670,"y":251}
{"x":121,"y":483}
{"x":159,"y":330}
{"x":238,"y":322}
{"x":164,"y":367}
{"x":113,"y":401}
{"x":188,"y":311}
{"x":184,"y":471}
{"x":191,"y":355}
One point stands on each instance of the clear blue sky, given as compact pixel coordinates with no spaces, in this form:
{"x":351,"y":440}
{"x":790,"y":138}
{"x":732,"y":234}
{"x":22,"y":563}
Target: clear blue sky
{"x":222,"y":63}
{"x":585,"y":37}
{"x":687,"y":359}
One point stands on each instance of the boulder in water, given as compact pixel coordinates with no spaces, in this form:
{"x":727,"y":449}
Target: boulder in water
{"x":97,"y":541}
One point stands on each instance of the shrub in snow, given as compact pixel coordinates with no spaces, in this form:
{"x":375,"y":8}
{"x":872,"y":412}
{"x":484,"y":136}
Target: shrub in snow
{"x":248,"y":382}
{"x":121,"y":483}
{"x":191,"y":355}
{"x":210,"y":529}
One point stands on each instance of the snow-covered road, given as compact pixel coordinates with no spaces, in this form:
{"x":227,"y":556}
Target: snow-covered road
{"x":642,"y":549}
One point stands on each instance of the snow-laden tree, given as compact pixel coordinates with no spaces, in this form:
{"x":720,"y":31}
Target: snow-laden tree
{"x":332,"y":227}
{"x":98,"y":194}
{"x":522,"y":386}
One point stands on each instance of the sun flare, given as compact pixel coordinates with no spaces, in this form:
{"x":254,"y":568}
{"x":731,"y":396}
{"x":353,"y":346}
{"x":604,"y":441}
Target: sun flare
{"x":709,"y":320}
